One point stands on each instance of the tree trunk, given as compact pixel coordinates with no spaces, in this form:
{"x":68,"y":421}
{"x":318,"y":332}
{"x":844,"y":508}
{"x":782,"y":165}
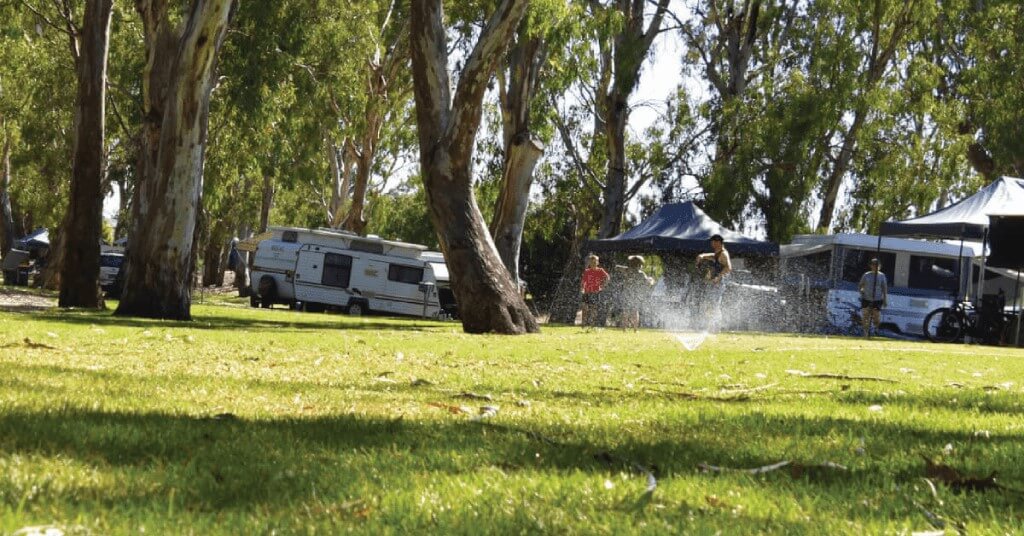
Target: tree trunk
{"x":567,"y":296}
{"x":337,"y":193}
{"x":835,"y":178}
{"x":83,"y":223}
{"x":517,"y":89}
{"x":488,"y":300}
{"x":6,"y":212}
{"x":267,"y":203}
{"x":614,"y":191}
{"x":213,"y":255}
{"x":514,"y":199}
{"x":241,"y":269}
{"x":631,"y":44}
{"x":160,"y":258}
{"x":354,"y":218}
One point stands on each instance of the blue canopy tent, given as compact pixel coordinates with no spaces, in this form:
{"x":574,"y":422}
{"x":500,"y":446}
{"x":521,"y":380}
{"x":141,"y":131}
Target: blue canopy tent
{"x":681,"y":228}
{"x":37,"y":239}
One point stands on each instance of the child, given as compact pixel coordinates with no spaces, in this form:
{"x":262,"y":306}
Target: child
{"x":593,"y":282}
{"x":874,"y":295}
{"x":635,"y":289}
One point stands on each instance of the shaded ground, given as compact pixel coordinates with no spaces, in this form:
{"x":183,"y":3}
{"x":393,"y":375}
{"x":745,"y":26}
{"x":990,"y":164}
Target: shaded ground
{"x":21,"y":299}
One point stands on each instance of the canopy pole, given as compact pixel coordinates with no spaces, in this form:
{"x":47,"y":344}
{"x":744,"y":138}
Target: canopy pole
{"x":984,"y":262}
{"x":960,"y":267}
{"x":1019,"y":309}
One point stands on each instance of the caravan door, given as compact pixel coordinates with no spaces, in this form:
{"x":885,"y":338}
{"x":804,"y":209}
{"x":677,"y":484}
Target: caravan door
{"x":323,"y":277}
{"x":407,"y":293}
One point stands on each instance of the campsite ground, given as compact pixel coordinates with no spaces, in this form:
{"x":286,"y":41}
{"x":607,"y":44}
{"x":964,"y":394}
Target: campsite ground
{"x":252,"y":421}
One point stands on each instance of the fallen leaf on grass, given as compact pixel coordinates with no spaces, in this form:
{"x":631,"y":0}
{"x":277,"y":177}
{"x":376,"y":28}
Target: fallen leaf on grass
{"x":956,"y":481}
{"x":474,"y":396}
{"x":32,"y":344}
{"x":833,"y":376}
{"x":486,"y":412}
{"x":420,"y":382}
{"x":454,"y":410}
{"x":795,"y":469}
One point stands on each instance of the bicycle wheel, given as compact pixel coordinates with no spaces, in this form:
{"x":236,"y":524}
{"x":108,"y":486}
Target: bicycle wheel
{"x":943,"y":325}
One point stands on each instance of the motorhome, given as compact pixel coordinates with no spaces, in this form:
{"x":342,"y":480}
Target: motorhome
{"x":922,"y":275}
{"x":316,"y":269}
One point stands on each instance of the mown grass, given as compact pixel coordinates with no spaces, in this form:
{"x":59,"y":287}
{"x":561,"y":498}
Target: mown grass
{"x":252,"y":422}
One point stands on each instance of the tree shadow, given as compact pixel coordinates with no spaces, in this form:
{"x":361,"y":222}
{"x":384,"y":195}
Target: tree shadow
{"x":212,"y":321}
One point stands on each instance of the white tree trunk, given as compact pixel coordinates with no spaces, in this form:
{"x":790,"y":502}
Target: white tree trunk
{"x":160,"y":258}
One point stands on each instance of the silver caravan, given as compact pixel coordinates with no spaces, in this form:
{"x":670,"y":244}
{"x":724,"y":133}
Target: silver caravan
{"x":318,"y":269}
{"x":923,"y":276}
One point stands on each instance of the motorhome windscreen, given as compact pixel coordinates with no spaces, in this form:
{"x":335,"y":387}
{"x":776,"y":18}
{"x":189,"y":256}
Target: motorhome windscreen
{"x":405,"y":274}
{"x":337,"y":270}
{"x":855,"y":263}
{"x":933,"y":273}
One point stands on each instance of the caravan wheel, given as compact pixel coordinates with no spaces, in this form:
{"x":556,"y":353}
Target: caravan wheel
{"x":357,"y":309}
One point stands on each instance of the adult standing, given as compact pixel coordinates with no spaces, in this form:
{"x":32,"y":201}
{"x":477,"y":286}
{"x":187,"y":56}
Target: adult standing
{"x":874,"y":296}
{"x":720,"y":265}
{"x":593,"y":282}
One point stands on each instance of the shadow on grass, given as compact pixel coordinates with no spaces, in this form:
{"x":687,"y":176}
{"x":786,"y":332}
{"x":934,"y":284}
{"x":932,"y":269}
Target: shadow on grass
{"x":212,"y":321}
{"x":211,"y":464}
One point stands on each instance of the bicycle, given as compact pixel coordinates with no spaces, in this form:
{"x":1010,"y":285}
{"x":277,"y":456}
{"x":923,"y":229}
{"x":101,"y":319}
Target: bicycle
{"x":951,"y":324}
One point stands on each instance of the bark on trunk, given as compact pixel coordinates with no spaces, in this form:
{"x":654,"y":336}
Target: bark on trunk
{"x":487,"y":298}
{"x":160,"y":259}
{"x":513,"y":201}
{"x":213,"y":255}
{"x":337,"y":197}
{"x":268,"y":202}
{"x":83,"y":223}
{"x":6,"y":212}
{"x":614,"y":191}
{"x":567,"y":296}
{"x":354,"y":218}
{"x":517,"y":89}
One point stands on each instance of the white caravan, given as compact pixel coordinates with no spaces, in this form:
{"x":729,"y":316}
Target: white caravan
{"x":325,"y":268}
{"x":923,"y":276}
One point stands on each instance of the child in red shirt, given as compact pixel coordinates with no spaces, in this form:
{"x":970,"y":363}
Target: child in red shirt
{"x":594,"y":279}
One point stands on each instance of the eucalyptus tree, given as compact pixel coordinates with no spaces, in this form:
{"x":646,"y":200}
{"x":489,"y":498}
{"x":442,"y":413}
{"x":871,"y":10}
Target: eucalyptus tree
{"x":489,"y":301}
{"x":624,"y":45}
{"x":529,"y":74}
{"x":37,"y":83}
{"x":181,"y":54}
{"x":880,"y":31}
{"x":81,"y":232}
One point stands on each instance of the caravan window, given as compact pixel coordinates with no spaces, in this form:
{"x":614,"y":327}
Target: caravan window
{"x":337,"y":270}
{"x":855,"y":263}
{"x":405,"y":274}
{"x":933,"y":273}
{"x":290,"y":236}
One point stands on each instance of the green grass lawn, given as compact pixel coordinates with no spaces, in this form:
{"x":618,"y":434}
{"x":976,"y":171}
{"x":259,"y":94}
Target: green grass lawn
{"x":254,"y":422}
